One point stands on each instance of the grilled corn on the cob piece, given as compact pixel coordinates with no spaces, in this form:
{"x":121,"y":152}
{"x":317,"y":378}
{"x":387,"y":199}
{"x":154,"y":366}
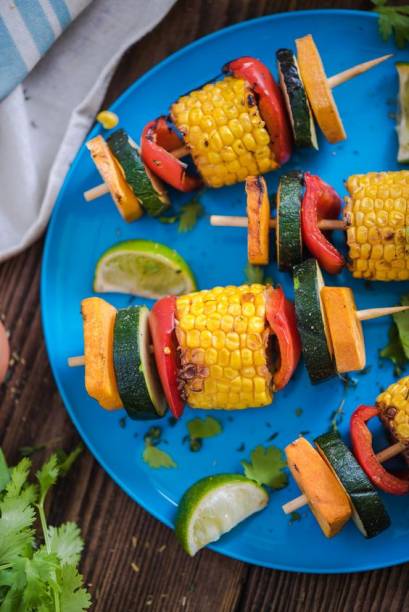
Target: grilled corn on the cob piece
{"x":223,"y":340}
{"x":393,"y":404}
{"x":225,"y":132}
{"x":377,"y":213}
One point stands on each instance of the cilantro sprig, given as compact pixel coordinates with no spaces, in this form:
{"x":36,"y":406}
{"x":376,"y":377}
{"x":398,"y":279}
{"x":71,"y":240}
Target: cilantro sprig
{"x":37,"y":571}
{"x":393,"y":20}
{"x":266,"y":467}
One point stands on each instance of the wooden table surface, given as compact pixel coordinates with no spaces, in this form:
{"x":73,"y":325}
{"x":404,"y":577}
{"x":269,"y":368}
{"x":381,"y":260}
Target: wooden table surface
{"x":117,"y":532}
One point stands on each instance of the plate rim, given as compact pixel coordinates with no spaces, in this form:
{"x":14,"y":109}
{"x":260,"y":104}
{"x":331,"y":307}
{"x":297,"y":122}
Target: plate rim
{"x":242,"y":557}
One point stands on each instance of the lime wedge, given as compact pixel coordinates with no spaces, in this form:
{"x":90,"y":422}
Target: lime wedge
{"x":403,"y":122}
{"x":144,"y":268}
{"x":213,"y":506}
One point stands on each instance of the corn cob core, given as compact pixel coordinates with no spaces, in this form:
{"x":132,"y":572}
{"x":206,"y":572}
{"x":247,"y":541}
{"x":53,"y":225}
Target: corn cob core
{"x":378,"y":214}
{"x":394,"y":406}
{"x":225,"y":132}
{"x":223,"y":336}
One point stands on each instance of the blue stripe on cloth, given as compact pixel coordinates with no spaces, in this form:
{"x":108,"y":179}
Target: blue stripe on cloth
{"x":61,"y":10}
{"x":12,"y":66}
{"x":37,"y":23}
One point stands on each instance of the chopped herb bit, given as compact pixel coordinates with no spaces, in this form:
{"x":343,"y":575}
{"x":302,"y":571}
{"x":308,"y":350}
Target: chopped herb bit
{"x":305,"y":432}
{"x":253,"y":274}
{"x":294,"y":517}
{"x":168,"y":220}
{"x":272,"y":437}
{"x":368,"y":285}
{"x":195,"y":444}
{"x":153,"y":436}
{"x":266,"y":467}
{"x":348,"y":381}
{"x":172,"y":421}
{"x":189,"y":215}
{"x":393,"y":20}
{"x":241,"y":448}
{"x":204,"y":428}
{"x":337,"y":417}
{"x":122,"y":422}
{"x":157,"y":458}
{"x":366,"y":370}
{"x":298,"y":412}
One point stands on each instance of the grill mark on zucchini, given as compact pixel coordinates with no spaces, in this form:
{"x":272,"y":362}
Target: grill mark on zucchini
{"x":311,"y":322}
{"x":295,"y":96}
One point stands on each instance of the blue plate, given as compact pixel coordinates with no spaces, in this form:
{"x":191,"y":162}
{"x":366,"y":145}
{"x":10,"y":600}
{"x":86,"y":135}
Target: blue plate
{"x":80,"y":232}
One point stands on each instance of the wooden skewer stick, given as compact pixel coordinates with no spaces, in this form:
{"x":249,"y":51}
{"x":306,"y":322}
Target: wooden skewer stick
{"x":363,"y":315}
{"x":74,"y":362}
{"x":387,"y":453}
{"x":374,"y":313}
{"x":346,"y":75}
{"x":229,"y":221}
{"x":102,"y":189}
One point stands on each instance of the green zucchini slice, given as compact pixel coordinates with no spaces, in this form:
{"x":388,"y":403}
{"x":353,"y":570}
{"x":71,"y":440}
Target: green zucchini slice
{"x":148,"y":188}
{"x":296,"y":100}
{"x":368,"y":512}
{"x":311,"y":321}
{"x":135,"y":369}
{"x":288,"y":229}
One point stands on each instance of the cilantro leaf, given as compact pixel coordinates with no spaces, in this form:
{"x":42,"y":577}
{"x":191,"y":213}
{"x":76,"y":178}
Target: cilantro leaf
{"x":47,"y":476}
{"x":189,"y":214}
{"x":393,"y":20}
{"x":253,"y":274}
{"x":266,"y":467}
{"x":73,"y":598}
{"x":204,"y":428}
{"x":157,"y":458}
{"x":397,"y":349}
{"x":66,"y":542}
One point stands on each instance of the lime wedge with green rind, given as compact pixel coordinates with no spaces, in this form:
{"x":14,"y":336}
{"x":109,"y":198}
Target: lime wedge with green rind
{"x":403,"y":121}
{"x":213,"y":506}
{"x":143,"y":268}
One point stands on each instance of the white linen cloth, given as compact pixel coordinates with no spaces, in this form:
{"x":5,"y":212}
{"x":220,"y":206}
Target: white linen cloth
{"x":44,"y":120}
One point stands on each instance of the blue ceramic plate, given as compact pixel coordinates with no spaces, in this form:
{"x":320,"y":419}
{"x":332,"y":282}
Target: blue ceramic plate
{"x":80,"y":232}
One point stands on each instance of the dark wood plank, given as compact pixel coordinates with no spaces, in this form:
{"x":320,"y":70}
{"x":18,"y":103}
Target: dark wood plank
{"x":132,"y":562}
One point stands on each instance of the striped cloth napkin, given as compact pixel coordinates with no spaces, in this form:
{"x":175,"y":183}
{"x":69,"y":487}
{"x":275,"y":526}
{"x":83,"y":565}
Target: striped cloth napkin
{"x":52,"y":83}
{"x":28,"y":28}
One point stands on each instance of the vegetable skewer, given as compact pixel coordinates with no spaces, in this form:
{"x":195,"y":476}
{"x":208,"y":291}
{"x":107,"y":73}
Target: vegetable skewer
{"x":302,"y":500}
{"x":225,"y":348}
{"x":238,"y":126}
{"x":374,"y":220}
{"x":362,"y":315}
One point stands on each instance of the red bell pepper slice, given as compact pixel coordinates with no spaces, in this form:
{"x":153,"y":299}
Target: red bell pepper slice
{"x":270,"y":103}
{"x":280,"y":315}
{"x":320,"y":201}
{"x":162,"y":327}
{"x":160,"y":161}
{"x":166,"y":136}
{"x":362,"y":447}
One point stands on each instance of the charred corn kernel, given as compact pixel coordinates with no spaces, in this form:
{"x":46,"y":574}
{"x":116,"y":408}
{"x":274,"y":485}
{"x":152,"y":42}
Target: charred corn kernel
{"x":223,"y":359}
{"x":222,"y":125}
{"x":107,"y":119}
{"x":377,"y":212}
{"x":393,"y":404}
